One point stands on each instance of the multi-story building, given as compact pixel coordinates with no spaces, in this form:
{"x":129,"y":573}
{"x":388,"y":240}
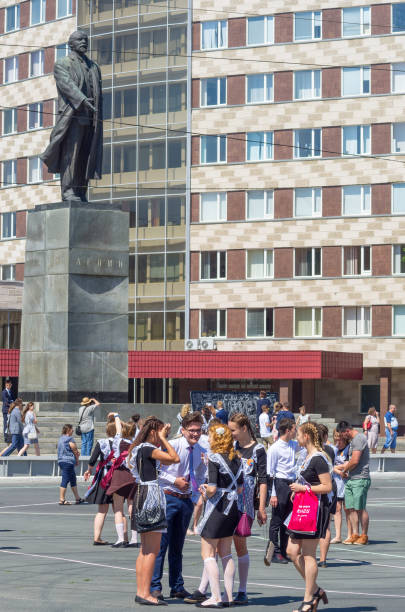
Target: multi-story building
{"x":261,"y":156}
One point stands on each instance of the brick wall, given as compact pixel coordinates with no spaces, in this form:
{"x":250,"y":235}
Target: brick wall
{"x":380,"y":138}
{"x":236,"y":89}
{"x":381,"y":199}
{"x":236,"y":205}
{"x":195,"y":150}
{"x":195,"y":93}
{"x":381,"y":19}
{"x":331,"y":201}
{"x":283,"y":144}
{"x":195,"y":207}
{"x":331,"y":142}
{"x":331,"y":23}
{"x":236,"y":326}
{"x":381,"y":320}
{"x":331,"y":82}
{"x":283,"y":27}
{"x":380,"y":78}
{"x":236,"y":265}
{"x":196,"y":36}
{"x":237,"y":32}
{"x":283,"y":86}
{"x":21,"y":223}
{"x":236,"y":147}
{"x":381,"y":259}
{"x":332,"y":261}
{"x":283,"y":322}
{"x":331,"y":321}
{"x":283,"y":263}
{"x":194,"y":323}
{"x":194,"y":266}
{"x":283,"y":203}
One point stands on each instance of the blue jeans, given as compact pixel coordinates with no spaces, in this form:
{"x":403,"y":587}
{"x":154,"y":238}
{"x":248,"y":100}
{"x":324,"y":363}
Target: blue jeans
{"x":17,"y":442}
{"x":178,"y":514}
{"x":68,"y":474}
{"x":87,"y":443}
{"x":390,"y":441}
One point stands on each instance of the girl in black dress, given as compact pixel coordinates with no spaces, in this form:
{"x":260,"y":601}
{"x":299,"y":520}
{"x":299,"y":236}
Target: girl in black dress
{"x":96,"y":494}
{"x":254,"y":460}
{"x":315,"y":472}
{"x":149,"y":516}
{"x":221,"y":513}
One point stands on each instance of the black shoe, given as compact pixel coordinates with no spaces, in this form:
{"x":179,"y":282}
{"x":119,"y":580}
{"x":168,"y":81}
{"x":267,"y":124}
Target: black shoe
{"x":119,"y":545}
{"x":322,"y":564}
{"x":228,"y":604}
{"x":278,"y":558}
{"x":268,"y":555}
{"x":241,"y":599}
{"x":133,"y":545}
{"x":100,"y":543}
{"x":180,"y":594}
{"x":195,"y":597}
{"x":157,"y":595}
{"x":214,"y":605}
{"x":146,"y":602}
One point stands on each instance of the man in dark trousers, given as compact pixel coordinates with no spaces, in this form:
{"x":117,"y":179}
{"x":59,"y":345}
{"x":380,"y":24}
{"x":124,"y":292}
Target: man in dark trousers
{"x":7,"y":397}
{"x":262,"y":401}
{"x":76,"y":143}
{"x":281,"y":469}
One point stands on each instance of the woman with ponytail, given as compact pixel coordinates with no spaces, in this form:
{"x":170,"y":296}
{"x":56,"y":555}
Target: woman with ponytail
{"x":314,"y":473}
{"x":221,"y":514}
{"x":149,"y":509}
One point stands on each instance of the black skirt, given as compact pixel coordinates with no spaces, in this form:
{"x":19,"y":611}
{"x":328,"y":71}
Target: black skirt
{"x":98,"y":495}
{"x":220,"y":525}
{"x":142,"y":523}
{"x":322,"y":524}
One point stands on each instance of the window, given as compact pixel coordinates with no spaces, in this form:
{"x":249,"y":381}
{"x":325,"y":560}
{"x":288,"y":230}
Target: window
{"x":356,"y":321}
{"x":356,"y":21}
{"x":259,"y":263}
{"x":9,"y":172}
{"x":259,"y":323}
{"x":308,"y":322}
{"x":356,"y":81}
{"x":398,"y":133}
{"x":398,"y":198}
{"x":356,"y":139}
{"x":307,"y":84}
{"x":213,"y":149}
{"x":213,"y":92}
{"x":38,"y":8}
{"x":213,"y":265}
{"x":8,"y":225}
{"x":213,"y":207}
{"x":11,"y":69}
{"x":62,"y":51}
{"x":259,"y":88}
{"x":64,"y":8}
{"x":213,"y":323}
{"x":34,"y":170}
{"x":13,"y":18}
{"x":307,"y":25}
{"x":260,"y":30}
{"x":308,"y":202}
{"x":35,"y":117}
{"x":308,"y":262}
{"x":399,"y":259}
{"x":356,"y":260}
{"x":307,"y":143}
{"x":356,"y":200}
{"x":259,"y":146}
{"x":214,"y":35}
{"x":8,"y":272}
{"x":399,"y":321}
{"x":36,"y":63}
{"x":398,"y":17}
{"x":9,"y":121}
{"x":259,"y":204}
{"x":398,"y":77}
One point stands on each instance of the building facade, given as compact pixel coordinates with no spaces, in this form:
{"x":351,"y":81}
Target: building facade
{"x":261,"y":156}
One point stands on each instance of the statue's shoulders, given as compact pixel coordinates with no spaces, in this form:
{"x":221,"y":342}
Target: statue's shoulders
{"x":64,"y":62}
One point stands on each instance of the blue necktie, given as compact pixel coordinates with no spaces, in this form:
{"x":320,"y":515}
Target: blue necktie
{"x":191,"y":466}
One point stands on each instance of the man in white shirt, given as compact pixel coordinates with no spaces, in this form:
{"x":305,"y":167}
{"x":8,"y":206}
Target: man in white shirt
{"x":281,"y":469}
{"x":181,"y":482}
{"x":265,"y":426}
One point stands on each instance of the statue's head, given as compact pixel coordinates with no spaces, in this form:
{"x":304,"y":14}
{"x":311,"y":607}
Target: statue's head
{"x":79,"y":42}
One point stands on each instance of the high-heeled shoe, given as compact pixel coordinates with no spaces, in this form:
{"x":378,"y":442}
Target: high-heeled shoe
{"x":321,"y":594}
{"x":311,"y":606}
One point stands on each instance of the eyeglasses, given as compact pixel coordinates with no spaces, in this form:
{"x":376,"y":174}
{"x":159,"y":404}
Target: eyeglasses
{"x":194,"y":432}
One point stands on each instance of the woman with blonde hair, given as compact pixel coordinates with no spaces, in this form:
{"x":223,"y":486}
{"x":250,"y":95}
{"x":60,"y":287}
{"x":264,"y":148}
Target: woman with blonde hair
{"x":314,"y":474}
{"x":370,"y":428}
{"x":185,"y":409}
{"x":221,"y":515}
{"x":30,"y":431}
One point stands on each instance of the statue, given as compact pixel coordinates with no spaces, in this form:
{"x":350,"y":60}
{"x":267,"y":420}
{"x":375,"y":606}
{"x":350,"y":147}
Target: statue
{"x":75,"y":149}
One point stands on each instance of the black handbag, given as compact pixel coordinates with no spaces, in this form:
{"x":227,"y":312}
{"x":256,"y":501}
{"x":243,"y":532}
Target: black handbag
{"x":153,"y":519}
{"x":78,"y":429}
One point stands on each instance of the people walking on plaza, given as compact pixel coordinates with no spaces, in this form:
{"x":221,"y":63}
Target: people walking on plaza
{"x":30,"y":431}
{"x":181,"y":482}
{"x":15,"y":428}
{"x":149,"y":512}
{"x":86,"y":424}
{"x":303,"y":417}
{"x":391,"y":429}
{"x":342,"y":455}
{"x":358,"y":482}
{"x":265,"y":427}
{"x":103,"y":454}
{"x":371,"y":426}
{"x":314,"y":474}
{"x":119,"y":482}
{"x":254,"y":462}
{"x":68,"y":458}
{"x":262,"y":401}
{"x":281,"y":459}
{"x":7,"y":397}
{"x":221,"y":514}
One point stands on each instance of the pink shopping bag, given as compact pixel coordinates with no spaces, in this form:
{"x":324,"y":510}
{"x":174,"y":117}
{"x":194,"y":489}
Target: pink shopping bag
{"x":304,"y":516}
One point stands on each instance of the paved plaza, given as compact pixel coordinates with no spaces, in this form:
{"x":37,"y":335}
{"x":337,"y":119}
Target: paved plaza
{"x":48,"y":563}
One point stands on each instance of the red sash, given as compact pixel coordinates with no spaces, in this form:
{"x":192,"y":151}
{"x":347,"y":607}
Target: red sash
{"x":105,"y":483}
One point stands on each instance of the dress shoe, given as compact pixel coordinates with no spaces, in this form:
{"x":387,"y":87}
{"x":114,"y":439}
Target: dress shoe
{"x":146,"y":602}
{"x":219,"y":604}
{"x":278,"y":558}
{"x":180,"y":594}
{"x":119,"y":545}
{"x":352,"y":539}
{"x":100,"y":543}
{"x":133,"y":545}
{"x":157,"y":595}
{"x":361,"y":540}
{"x":195,"y":597}
{"x":241,"y":599}
{"x":322,"y":564}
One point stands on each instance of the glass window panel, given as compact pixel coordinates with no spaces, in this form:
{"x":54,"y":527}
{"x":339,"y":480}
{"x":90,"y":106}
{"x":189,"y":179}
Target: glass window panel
{"x":8,"y":272}
{"x":62,"y":51}
{"x":398,"y":198}
{"x":35,"y":116}
{"x":399,"y":259}
{"x":307,"y":143}
{"x":174,"y":151}
{"x":259,"y":88}
{"x":399,"y":137}
{"x":255,"y":264}
{"x":129,"y":102}
{"x":304,"y":202}
{"x":351,"y":81}
{"x":356,"y":139}
{"x":255,"y":322}
{"x":307,"y":84}
{"x":356,"y":21}
{"x":8,"y":221}
{"x":158,"y":155}
{"x":356,"y":199}
{"x":259,"y":146}
{"x":9,"y":121}
{"x":256,"y":30}
{"x":399,"y":320}
{"x":144,"y":100}
{"x":398,"y":17}
{"x":159,"y":99}
{"x":9,"y":172}
{"x":64,"y":8}
{"x":34,"y":170}
{"x":37,"y":63}
{"x":398,"y":77}
{"x":10,"y":69}
{"x":303,"y":322}
{"x":259,"y":204}
{"x":307,"y":25}
{"x":214,"y":34}
{"x":13,"y":18}
{"x":213,"y":207}
{"x":38,"y":8}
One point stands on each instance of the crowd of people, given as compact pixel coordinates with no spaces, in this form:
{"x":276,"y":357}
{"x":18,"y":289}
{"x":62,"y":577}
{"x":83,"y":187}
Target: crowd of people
{"x":224,"y":475}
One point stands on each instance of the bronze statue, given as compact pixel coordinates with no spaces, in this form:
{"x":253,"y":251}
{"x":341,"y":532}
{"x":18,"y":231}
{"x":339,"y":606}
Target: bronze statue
{"x":75,"y":149}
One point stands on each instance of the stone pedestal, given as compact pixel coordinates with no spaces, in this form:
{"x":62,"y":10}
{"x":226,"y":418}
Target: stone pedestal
{"x":74,"y":337}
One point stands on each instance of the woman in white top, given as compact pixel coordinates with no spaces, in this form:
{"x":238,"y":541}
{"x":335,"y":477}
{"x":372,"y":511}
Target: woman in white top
{"x":30,"y":431}
{"x":370,"y":428}
{"x":303,"y":417}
